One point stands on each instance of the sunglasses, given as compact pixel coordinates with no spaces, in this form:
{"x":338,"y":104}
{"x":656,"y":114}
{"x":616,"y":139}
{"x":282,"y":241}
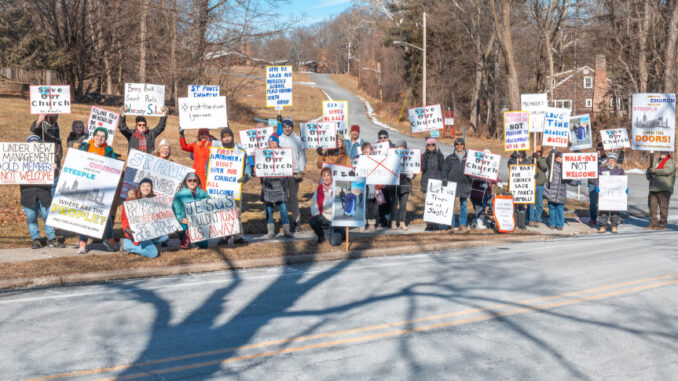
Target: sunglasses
{"x":383,"y":137}
{"x":458,"y":144}
{"x":141,"y":124}
{"x":192,"y":181}
{"x":430,"y":145}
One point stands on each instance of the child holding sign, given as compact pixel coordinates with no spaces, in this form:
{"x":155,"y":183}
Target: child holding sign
{"x":148,"y":248}
{"x":609,"y":217}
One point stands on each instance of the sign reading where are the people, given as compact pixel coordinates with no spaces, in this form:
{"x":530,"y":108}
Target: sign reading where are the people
{"x":379,"y":169}
{"x":439,"y":205}
{"x":615,"y":138}
{"x":85,"y":192}
{"x":144,"y":99}
{"x":224,"y":169}
{"x":336,"y":112}
{"x":151,"y":217}
{"x":212,"y":218}
{"x":273,"y":162}
{"x":423,"y":119}
{"x":536,"y":105}
{"x":27,"y":163}
{"x":165,"y":175}
{"x":516,"y":133}
{"x":255,"y":138}
{"x":278,"y":86}
{"x":482,"y":165}
{"x":50,"y":99}
{"x":653,"y":125}
{"x":410,"y":160}
{"x":522,"y":183}
{"x":318,"y":135}
{"x":556,"y":127}
{"x":99,"y":117}
{"x":612,"y":195}
{"x":580,"y":166}
{"x":203,"y":91}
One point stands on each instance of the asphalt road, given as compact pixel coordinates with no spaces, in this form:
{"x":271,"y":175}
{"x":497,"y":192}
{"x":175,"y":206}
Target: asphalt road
{"x":586,"y":308}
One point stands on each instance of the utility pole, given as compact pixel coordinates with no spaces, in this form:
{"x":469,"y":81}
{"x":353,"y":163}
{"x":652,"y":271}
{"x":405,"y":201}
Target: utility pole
{"x":424,"y":82}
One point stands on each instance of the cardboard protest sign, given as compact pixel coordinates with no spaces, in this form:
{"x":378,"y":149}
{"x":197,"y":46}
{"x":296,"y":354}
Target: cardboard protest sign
{"x":255,"y":138}
{"x":580,"y":132}
{"x":273,"y":162}
{"x":615,"y":138}
{"x":165,"y":175}
{"x":336,"y":112}
{"x":439,"y":207}
{"x":502,"y":211}
{"x":410,"y":160}
{"x":654,"y":122}
{"x":50,"y":99}
{"x":318,"y":135}
{"x":516,"y":133}
{"x":612,"y":195}
{"x":278,"y":86}
{"x":480,"y":164}
{"x":212,"y":218}
{"x":556,"y":127}
{"x":144,"y":99}
{"x":339,"y":171}
{"x":427,"y":118}
{"x":348,"y":203}
{"x":380,"y":148}
{"x":207,"y":112}
{"x":379,"y":169}
{"x":151,"y":217}
{"x":99,"y":117}
{"x":85,"y":193}
{"x":203,"y":91}
{"x":536,"y":105}
{"x":27,"y":163}
{"x":580,"y":166}
{"x":522,"y":183}
{"x":223,"y":171}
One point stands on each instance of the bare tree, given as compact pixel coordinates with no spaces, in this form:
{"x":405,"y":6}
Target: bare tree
{"x":502,"y":26}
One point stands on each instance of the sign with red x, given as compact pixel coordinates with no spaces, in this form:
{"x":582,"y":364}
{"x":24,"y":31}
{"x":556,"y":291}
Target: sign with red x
{"x":379,"y":169}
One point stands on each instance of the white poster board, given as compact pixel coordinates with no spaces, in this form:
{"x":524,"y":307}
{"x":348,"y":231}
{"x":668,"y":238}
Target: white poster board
{"x":536,"y":104}
{"x":224,"y":169}
{"x":99,"y":117}
{"x":439,"y":206}
{"x":615,"y":138}
{"x":348,"y":204}
{"x":502,"y":211}
{"x":612,"y":195}
{"x":654,"y":122}
{"x":580,"y":132}
{"x":151,"y":217}
{"x":250,"y":140}
{"x":212,"y":218}
{"x":144,"y":99}
{"x":278,"y":86}
{"x":203,"y":91}
{"x":27,"y":163}
{"x":410,"y":160}
{"x":522,"y":183}
{"x":339,"y":171}
{"x":482,"y":165}
{"x":380,"y":148}
{"x":577,"y":166}
{"x":318,"y":135}
{"x":379,"y":169}
{"x":273,"y":162}
{"x":423,"y":119}
{"x":207,"y":112}
{"x":50,"y":99}
{"x":165,"y":175}
{"x":556,"y":127}
{"x":336,"y":112}
{"x":85,"y":193}
{"x":516,"y":132}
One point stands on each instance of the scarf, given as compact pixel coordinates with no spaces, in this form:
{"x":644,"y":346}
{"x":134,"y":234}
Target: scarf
{"x":320,"y":198}
{"x":141,"y":138}
{"x":663,"y":162}
{"x":101,"y":151}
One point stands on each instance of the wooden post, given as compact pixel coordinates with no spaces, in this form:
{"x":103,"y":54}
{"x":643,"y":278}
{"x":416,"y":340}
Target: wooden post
{"x":553,"y":159}
{"x":347,"y":238}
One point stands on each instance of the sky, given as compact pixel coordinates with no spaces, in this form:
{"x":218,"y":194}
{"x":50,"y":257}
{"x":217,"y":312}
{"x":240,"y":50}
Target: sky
{"x":313,"y":11}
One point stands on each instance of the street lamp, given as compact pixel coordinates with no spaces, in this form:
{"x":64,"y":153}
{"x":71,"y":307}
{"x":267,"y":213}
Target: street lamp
{"x":423,"y":50}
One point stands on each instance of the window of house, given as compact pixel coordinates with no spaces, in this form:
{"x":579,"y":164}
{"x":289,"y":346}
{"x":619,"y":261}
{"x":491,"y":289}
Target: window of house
{"x":562,"y":103}
{"x":589,"y":103}
{"x":588,"y":82}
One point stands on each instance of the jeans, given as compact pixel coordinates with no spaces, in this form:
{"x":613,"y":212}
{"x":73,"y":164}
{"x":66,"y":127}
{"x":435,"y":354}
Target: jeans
{"x":293,"y":198}
{"x":282,"y":208}
{"x":536,"y":210}
{"x":402,"y":208}
{"x":146,"y":248}
{"x":32,"y":221}
{"x":612,"y":218}
{"x":108,"y":231}
{"x":593,"y":203}
{"x":462,"y":212}
{"x":183,"y":235}
{"x":556,"y":215}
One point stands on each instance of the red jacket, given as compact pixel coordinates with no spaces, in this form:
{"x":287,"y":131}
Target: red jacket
{"x":201,"y":155}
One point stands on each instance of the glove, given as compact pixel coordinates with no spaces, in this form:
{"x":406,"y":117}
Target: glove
{"x":279,"y":118}
{"x":597,"y":190}
{"x":243,"y":179}
{"x":129,"y":231}
{"x":627,"y":190}
{"x":122,"y":109}
{"x":181,"y":132}
{"x":535,"y":155}
{"x":500,"y":185}
{"x":299,"y":176}
{"x":164,"y":110}
{"x":322,"y":221}
{"x":319,"y":151}
{"x":409,"y":176}
{"x":444,"y":183}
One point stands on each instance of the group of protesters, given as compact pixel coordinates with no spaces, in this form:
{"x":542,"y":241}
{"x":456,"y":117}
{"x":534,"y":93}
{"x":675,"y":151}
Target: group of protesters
{"x":386,"y":205}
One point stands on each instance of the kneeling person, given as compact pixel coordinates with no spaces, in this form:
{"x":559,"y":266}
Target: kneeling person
{"x":128,"y":245}
{"x":321,"y":210}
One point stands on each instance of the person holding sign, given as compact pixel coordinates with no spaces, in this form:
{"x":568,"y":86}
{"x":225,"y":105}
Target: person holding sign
{"x":274,"y":192}
{"x":593,"y":184}
{"x":556,"y":191}
{"x":200,"y":151}
{"x":164,"y":150}
{"x":289,"y":139}
{"x":403,"y":192}
{"x":354,"y":143}
{"x":141,"y":138}
{"x":77,"y":135}
{"x":662,"y":177}
{"x":431,"y":168}
{"x":148,"y":248}
{"x":191,"y":190}
{"x":453,"y":170}
{"x":542,"y":166}
{"x":519,"y":157}
{"x":321,"y":205}
{"x":609,"y":217}
{"x":47,"y":128}
{"x":375,"y":197}
{"x":334,"y":156}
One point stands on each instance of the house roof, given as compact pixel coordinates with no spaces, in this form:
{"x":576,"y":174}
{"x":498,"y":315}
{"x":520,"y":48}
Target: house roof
{"x":568,"y":74}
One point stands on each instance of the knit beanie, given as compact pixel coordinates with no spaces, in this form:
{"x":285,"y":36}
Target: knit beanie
{"x":105,"y":131}
{"x":431,"y":141}
{"x":140,"y":119}
{"x":355,"y":127}
{"x":288,"y":121}
{"x":33,"y":138}
{"x":275,"y":138}
{"x":226,"y":131}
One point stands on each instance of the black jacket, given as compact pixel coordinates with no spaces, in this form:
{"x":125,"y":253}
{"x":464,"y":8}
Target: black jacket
{"x":31,"y":193}
{"x":431,"y":167}
{"x":453,"y":170}
{"x":151,"y":134}
{"x":50,"y":133}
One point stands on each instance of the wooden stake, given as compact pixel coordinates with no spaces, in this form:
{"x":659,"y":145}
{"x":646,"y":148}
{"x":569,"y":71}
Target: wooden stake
{"x":347,"y":238}
{"x":553,"y":158}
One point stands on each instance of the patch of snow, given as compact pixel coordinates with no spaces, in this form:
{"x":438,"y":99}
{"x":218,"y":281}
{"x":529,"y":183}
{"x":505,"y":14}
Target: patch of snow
{"x":311,"y":84}
{"x":370,"y":113}
{"x":573,"y":195}
{"x":635,"y":171}
{"x":329,"y":98}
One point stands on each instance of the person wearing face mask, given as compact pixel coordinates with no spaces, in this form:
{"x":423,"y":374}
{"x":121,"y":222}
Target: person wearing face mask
{"x":607,"y":217}
{"x":662,"y":177}
{"x":201,"y":152}
{"x":191,"y":190}
{"x":148,"y":248}
{"x":141,"y":138}
{"x":77,"y":135}
{"x":592,"y":185}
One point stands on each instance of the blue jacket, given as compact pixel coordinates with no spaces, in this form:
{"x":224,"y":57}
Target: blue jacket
{"x":352,"y":149}
{"x":182,"y":197}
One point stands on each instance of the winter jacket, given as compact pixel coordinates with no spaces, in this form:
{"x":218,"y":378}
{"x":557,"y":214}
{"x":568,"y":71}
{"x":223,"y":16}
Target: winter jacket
{"x":431,"y":167}
{"x":514,"y":159}
{"x":298,"y":153}
{"x":556,"y":190}
{"x":74,"y":139}
{"x":201,"y":156}
{"x":453,"y":170}
{"x":50,"y":133}
{"x":662,"y":180}
{"x":151,"y":134}
{"x":604,"y":170}
{"x":353,"y":149}
{"x":30,"y":193}
{"x":405,"y":185}
{"x":542,"y":167}
{"x":108,"y":150}
{"x":247,"y":170}
{"x":602,"y":160}
{"x":328,"y":197}
{"x":333,"y":156}
{"x":273,"y":189}
{"x":183,"y":196}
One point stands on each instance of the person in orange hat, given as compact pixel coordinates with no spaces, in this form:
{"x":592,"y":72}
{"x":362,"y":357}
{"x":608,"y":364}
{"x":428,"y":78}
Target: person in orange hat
{"x":201,"y":152}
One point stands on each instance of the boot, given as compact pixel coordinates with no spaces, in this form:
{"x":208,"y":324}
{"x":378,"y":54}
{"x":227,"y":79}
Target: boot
{"x":271,"y":230}
{"x":286,"y":231}
{"x":297,"y":226}
{"x":602,"y":229}
{"x":614,"y":229}
{"x":403,"y":226}
{"x":372,"y":224}
{"x":393,"y":225}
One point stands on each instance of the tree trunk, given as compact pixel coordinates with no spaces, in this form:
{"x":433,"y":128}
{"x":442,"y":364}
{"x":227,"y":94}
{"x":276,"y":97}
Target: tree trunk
{"x":503,"y":29}
{"x":173,"y":50}
{"x":143,"y":33}
{"x":642,"y":45}
{"x":670,"y":80}
{"x":203,"y":19}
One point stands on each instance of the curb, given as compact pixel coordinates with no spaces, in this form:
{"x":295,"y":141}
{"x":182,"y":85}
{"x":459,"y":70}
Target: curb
{"x":104,"y":276}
